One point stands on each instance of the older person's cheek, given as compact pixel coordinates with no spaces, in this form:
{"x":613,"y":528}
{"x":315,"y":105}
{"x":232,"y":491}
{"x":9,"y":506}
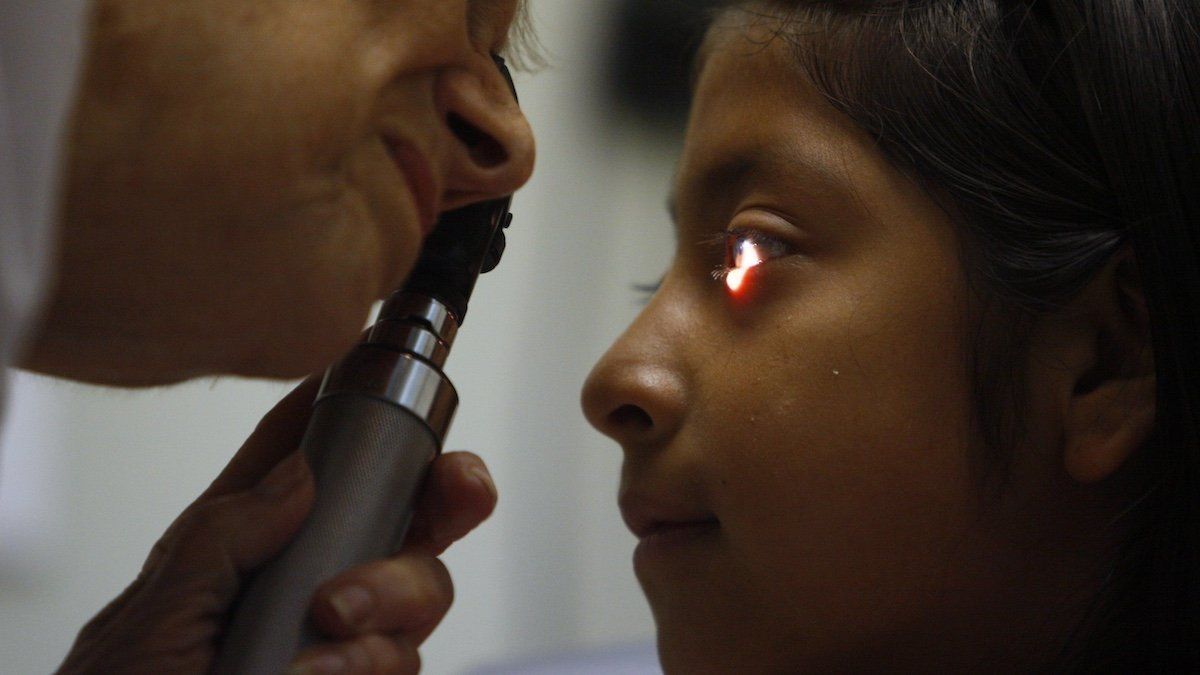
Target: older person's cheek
{"x":391,"y":235}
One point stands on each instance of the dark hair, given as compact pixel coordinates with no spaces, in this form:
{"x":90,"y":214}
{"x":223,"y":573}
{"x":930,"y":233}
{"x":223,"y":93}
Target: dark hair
{"x":1058,"y":133}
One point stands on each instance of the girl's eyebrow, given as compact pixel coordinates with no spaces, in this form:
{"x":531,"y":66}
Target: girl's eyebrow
{"x":731,"y":175}
{"x":713,"y":182}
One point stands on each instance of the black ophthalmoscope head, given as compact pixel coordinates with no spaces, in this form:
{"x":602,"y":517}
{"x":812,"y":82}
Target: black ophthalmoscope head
{"x":465,"y":243}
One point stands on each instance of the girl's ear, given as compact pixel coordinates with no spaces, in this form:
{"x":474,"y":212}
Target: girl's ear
{"x":1110,"y":411}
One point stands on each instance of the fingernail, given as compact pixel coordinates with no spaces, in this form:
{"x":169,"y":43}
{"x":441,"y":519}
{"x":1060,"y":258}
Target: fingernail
{"x":352,"y":604}
{"x":325,"y":664}
{"x":284,"y":477}
{"x":485,"y":479}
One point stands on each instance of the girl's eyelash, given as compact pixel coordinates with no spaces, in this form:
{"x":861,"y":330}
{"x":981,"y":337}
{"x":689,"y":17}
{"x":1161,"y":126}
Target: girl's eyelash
{"x":716,"y":242}
{"x":716,"y":246}
{"x":719,"y":245}
{"x":762,"y":242}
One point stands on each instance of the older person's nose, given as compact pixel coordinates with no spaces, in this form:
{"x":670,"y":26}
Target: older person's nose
{"x":490,"y":151}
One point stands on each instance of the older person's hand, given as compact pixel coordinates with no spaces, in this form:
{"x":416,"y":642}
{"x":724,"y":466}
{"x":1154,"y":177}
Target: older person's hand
{"x":376,"y":615}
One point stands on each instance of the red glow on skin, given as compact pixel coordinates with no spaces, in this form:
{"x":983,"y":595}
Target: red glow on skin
{"x":747,"y":257}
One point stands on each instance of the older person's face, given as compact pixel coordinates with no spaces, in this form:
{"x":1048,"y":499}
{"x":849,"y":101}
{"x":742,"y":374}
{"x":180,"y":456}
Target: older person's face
{"x":244,"y":180}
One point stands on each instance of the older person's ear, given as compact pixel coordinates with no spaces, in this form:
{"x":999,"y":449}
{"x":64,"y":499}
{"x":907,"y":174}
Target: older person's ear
{"x":1110,"y":411}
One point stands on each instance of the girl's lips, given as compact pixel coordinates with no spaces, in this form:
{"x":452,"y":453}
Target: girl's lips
{"x":664,"y":533}
{"x":417,"y":172}
{"x":670,"y":528}
{"x":672,"y":543}
{"x":650,"y":518}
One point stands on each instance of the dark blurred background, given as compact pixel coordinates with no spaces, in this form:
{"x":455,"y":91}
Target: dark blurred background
{"x":653,"y":43}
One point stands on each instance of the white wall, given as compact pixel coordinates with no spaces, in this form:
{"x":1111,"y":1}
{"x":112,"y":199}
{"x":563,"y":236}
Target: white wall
{"x":89,"y":477}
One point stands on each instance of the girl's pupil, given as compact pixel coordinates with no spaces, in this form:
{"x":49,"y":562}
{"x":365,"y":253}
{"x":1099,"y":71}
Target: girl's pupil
{"x":741,"y":253}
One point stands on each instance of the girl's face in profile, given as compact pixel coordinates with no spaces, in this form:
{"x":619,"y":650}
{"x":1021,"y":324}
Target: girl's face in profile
{"x":798,"y":452}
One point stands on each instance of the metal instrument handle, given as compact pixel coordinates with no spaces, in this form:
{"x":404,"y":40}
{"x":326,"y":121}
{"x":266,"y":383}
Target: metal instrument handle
{"x":369,"y":457}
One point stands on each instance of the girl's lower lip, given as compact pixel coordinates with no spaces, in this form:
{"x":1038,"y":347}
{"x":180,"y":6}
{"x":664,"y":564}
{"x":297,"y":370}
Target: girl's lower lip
{"x":669,"y":538}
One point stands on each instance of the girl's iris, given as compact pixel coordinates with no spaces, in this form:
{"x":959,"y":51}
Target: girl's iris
{"x":739,"y":259}
{"x":744,"y":250}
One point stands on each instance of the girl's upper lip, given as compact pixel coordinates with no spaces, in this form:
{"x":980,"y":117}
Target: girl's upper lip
{"x":421,"y":183}
{"x":645,"y":515}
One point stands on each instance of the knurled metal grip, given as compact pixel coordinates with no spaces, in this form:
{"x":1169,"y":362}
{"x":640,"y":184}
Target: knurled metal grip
{"x":377,"y":424}
{"x":369,"y":457}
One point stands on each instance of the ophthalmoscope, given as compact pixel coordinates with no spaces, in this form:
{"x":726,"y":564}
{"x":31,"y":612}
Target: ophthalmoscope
{"x":378,"y":422}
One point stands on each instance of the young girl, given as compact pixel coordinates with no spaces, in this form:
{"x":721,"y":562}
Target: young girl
{"x":937,"y":407}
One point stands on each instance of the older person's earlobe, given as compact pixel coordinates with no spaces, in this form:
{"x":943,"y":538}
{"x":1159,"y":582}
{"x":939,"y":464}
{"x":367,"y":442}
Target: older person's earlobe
{"x":1111,"y":411}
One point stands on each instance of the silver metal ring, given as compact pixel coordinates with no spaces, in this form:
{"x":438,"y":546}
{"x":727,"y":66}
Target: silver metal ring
{"x":411,"y":337}
{"x":400,"y":379}
{"x":403,"y":306}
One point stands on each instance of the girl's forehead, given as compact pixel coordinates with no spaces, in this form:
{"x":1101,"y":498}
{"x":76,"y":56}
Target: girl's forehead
{"x":744,"y":51}
{"x":753,"y":31}
{"x":757,"y":115}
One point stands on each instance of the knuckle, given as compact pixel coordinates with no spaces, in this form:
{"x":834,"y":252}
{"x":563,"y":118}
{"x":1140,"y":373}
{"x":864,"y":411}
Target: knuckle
{"x":155,"y":557}
{"x":390,"y":656}
{"x":407,"y":659}
{"x":415,"y":592}
{"x":465,"y":457}
{"x":410,"y":593}
{"x":193,"y":525}
{"x":199,"y":520}
{"x":445,"y":582}
{"x":430,"y":585}
{"x":193,"y":541}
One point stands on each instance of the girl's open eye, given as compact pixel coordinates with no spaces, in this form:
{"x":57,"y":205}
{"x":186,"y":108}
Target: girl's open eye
{"x":746,"y":249}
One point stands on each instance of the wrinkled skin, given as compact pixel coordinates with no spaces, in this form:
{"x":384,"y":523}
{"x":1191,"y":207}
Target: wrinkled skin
{"x":230,"y":203}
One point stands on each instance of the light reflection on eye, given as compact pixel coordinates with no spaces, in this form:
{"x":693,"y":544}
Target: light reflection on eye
{"x":744,"y":257}
{"x":744,"y":250}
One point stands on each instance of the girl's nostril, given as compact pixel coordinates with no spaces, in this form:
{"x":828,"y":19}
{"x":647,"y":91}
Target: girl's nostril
{"x":630,"y":416}
{"x":485,"y":150}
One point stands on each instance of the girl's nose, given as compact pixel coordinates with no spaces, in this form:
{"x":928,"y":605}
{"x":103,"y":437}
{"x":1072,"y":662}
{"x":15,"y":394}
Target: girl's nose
{"x":634,"y":396}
